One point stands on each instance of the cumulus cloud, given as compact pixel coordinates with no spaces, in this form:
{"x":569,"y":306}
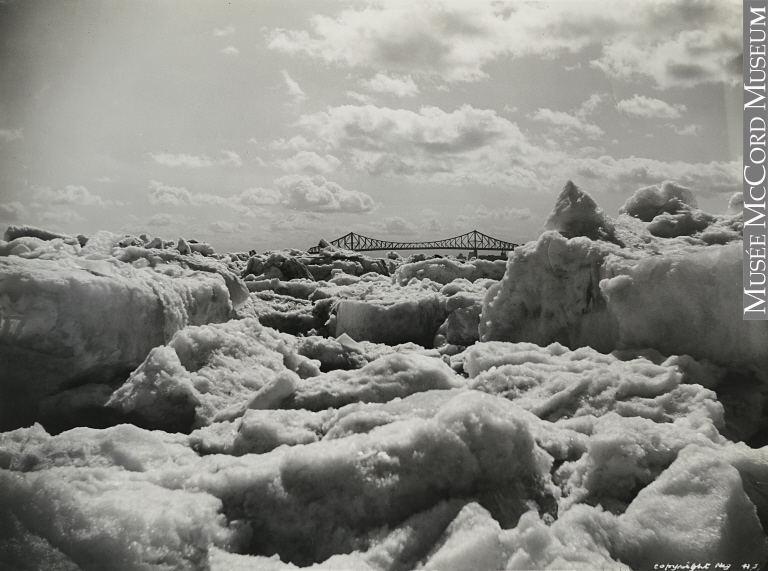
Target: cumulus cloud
{"x":297,"y":143}
{"x":642,"y":106}
{"x":229,"y":30}
{"x":295,"y":222}
{"x":433,"y":225}
{"x":466,"y":145}
{"x":498,"y":221}
{"x":686,"y":57}
{"x":317,"y":194}
{"x":160,"y":193}
{"x":483,"y":212}
{"x":392,"y":226}
{"x":258,"y":197}
{"x":61,"y":216}
{"x":246,"y":203}
{"x":430,"y":220}
{"x":70,"y":194}
{"x":674,"y":43}
{"x":13,"y":211}
{"x":309,"y":162}
{"x":361,"y":98}
{"x":231,"y":158}
{"x":293,"y":88}
{"x":9,"y":135}
{"x":162,"y":219}
{"x":476,"y":146}
{"x":230,"y":51}
{"x":566,"y":124}
{"x":687,"y":130}
{"x":610,"y":174}
{"x":224,"y":227}
{"x":402,"y":86}
{"x":451,"y":40}
{"x":591,"y":105}
{"x":571,"y":126}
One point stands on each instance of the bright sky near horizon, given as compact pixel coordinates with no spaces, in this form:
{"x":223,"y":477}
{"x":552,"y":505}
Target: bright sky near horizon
{"x":265,"y":124}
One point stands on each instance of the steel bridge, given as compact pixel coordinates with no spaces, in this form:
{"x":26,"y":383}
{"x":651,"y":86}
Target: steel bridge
{"x":470,"y":241}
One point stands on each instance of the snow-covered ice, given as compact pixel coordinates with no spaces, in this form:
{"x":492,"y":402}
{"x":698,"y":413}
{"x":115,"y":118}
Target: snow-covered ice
{"x":595,"y":401}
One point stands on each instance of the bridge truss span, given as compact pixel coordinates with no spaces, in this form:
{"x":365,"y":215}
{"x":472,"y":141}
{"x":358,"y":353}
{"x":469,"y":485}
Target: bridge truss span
{"x":473,"y":240}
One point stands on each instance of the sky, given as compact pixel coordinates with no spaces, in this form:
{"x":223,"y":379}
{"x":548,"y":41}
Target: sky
{"x":272,"y":124}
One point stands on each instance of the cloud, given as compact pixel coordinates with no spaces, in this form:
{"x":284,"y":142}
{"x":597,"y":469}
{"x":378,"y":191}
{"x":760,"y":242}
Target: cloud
{"x":686,"y":131}
{"x":297,"y":143}
{"x":475,"y":146}
{"x":609,"y":174}
{"x":229,"y":30}
{"x":9,"y":135}
{"x":105,"y":179}
{"x":223,"y":227}
{"x":259,"y":197}
{"x":309,"y":161}
{"x":61,"y":216}
{"x":703,"y":44}
{"x":182,"y":160}
{"x":232,"y":158}
{"x":402,"y":86}
{"x":230,"y":51}
{"x":196,"y":162}
{"x":293,"y":88}
{"x":466,"y":145}
{"x":320,"y":195}
{"x":433,"y":225}
{"x":70,"y":194}
{"x":642,"y":106}
{"x":296,"y":222}
{"x":160,"y":193}
{"x":484,"y":213}
{"x":566,"y":124}
{"x":674,"y":43}
{"x":498,"y":221}
{"x":361,"y":98}
{"x":13,"y":211}
{"x":446,"y":39}
{"x":162,"y":219}
{"x":591,"y":105}
{"x":392,"y":226}
{"x":242,"y":203}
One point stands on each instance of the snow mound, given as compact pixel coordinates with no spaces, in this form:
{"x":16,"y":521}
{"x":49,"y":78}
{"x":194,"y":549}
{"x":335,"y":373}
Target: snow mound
{"x":581,"y":292}
{"x":651,"y":201}
{"x":555,"y":383}
{"x":73,"y":319}
{"x":313,"y":501}
{"x":446,"y":270}
{"x":577,"y":214}
{"x":211,"y":370}
{"x":702,"y":498}
{"x":396,"y":375}
{"x":94,"y":518}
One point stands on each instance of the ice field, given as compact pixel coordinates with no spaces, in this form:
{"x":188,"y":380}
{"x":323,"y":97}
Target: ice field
{"x":595,"y":401}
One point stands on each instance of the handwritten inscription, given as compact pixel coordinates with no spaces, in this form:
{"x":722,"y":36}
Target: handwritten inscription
{"x":710,"y":566}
